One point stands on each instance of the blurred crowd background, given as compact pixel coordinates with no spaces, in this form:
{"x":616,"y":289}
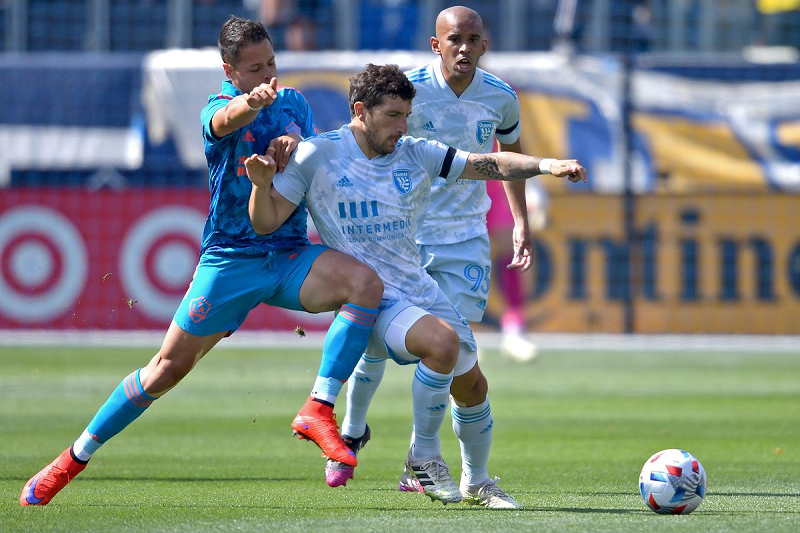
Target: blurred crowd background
{"x":592,"y":26}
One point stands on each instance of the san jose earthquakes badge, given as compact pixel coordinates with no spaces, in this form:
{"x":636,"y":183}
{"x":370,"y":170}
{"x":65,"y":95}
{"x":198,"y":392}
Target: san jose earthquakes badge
{"x":402,"y":180}
{"x":484,"y":130}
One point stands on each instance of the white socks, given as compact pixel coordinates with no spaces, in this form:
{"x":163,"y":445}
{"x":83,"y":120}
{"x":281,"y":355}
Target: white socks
{"x":430,"y":393}
{"x":473,"y":427}
{"x":360,"y":389}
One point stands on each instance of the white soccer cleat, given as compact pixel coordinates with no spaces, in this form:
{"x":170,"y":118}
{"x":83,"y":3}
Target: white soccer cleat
{"x":431,"y":478}
{"x":488,"y":495}
{"x":518,"y":347}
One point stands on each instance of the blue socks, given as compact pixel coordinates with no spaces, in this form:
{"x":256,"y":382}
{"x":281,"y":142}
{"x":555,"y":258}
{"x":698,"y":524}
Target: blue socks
{"x":126,"y":404}
{"x":346,"y":340}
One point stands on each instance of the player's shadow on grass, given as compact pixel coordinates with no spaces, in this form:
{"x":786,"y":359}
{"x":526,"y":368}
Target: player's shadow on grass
{"x":259,"y":479}
{"x":580,"y":510}
{"x":714,"y":493}
{"x":605,"y":493}
{"x":768,"y":494}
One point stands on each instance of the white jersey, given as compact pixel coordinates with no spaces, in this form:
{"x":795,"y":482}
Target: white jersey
{"x":487,"y":109}
{"x":371,"y":208}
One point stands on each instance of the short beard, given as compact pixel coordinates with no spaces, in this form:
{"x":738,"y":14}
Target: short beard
{"x":372,"y":142}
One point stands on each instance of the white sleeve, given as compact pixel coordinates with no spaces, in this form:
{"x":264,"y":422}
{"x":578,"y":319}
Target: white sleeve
{"x":509,"y":130}
{"x":295,"y":180}
{"x":453,"y":165}
{"x":440,"y":160}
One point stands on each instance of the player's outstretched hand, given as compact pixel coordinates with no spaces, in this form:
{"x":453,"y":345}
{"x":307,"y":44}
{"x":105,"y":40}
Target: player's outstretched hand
{"x":263,"y":95}
{"x":261,"y":168}
{"x":283,"y":147}
{"x":570,"y":169}
{"x":523,"y":250}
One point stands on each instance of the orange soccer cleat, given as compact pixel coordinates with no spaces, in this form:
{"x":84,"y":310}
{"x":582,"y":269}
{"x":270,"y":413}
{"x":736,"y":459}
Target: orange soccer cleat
{"x":317,"y":423}
{"x":41,"y":488}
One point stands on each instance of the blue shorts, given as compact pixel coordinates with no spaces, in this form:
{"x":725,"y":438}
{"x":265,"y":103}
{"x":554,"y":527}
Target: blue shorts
{"x":225,"y":289}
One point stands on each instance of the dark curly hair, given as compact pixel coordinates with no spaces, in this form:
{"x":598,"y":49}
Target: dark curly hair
{"x":236,"y":33}
{"x":376,"y":81}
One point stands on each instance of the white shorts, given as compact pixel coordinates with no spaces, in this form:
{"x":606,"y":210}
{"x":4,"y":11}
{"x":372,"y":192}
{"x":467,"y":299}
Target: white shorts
{"x":396,"y":317}
{"x":462,"y":271}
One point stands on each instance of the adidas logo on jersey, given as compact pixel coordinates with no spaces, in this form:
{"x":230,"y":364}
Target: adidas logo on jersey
{"x":344,"y":182}
{"x":429,"y":127}
{"x":248,"y":137}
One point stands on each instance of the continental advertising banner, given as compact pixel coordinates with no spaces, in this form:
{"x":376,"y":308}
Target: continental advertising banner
{"x":701,"y":264}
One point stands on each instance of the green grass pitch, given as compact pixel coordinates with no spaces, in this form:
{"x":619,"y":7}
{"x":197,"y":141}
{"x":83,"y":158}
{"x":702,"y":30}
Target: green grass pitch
{"x":572,"y":431}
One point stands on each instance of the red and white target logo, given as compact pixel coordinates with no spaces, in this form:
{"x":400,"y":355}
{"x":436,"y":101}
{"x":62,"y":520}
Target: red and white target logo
{"x":43,"y":262}
{"x":159,"y":257}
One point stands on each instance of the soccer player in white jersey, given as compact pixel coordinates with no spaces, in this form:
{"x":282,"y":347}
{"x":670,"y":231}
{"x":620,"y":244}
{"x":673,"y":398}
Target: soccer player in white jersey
{"x":466,"y":107}
{"x":462,"y":106}
{"x":367,"y":186}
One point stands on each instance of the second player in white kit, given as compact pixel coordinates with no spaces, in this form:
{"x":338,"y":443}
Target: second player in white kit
{"x":367,"y":187}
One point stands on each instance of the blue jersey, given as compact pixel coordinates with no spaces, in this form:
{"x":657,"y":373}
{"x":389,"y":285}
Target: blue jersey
{"x":228,"y":228}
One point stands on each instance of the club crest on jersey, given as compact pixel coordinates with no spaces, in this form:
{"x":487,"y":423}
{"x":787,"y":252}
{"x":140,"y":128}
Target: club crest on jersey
{"x":402,"y":180}
{"x":484,"y":130}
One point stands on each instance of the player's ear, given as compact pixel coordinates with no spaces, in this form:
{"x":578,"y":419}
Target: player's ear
{"x":484,"y":45}
{"x":358,"y":110}
{"x":228,"y":70}
{"x":435,"y":46}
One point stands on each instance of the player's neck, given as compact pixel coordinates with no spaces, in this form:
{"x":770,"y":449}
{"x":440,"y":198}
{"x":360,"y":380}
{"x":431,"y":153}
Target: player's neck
{"x":361,"y":140}
{"x":458,"y":86}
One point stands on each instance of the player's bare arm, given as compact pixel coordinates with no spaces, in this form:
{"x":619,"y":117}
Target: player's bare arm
{"x":522,"y":258}
{"x":508,"y":166}
{"x":267,"y":208}
{"x":244,"y":109}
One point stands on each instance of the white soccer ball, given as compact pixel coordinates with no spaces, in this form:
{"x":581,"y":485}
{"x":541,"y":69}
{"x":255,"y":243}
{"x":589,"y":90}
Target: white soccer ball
{"x":673,"y":482}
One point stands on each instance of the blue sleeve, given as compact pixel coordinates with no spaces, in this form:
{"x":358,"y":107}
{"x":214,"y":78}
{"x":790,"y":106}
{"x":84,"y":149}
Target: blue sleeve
{"x":207,"y":114}
{"x":301,"y":113}
{"x":309,"y":127}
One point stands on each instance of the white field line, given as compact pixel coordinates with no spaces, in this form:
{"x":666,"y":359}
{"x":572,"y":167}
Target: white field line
{"x":544,"y":341}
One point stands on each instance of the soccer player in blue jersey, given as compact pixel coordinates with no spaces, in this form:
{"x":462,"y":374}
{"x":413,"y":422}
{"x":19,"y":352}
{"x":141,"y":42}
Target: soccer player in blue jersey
{"x":240,"y":269}
{"x":467,"y":108}
{"x":368,"y":187}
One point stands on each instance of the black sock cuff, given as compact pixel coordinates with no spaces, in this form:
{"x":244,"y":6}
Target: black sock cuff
{"x":75,"y":457}
{"x":329,"y":404}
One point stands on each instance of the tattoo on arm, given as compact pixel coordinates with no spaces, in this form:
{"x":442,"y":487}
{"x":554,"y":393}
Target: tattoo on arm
{"x":488,"y":167}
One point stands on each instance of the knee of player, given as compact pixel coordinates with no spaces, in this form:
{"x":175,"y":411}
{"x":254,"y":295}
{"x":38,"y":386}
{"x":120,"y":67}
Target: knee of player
{"x":445,"y":343}
{"x":480,"y":389}
{"x":163,"y":374}
{"x":471,"y":388}
{"x":366,"y":286}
